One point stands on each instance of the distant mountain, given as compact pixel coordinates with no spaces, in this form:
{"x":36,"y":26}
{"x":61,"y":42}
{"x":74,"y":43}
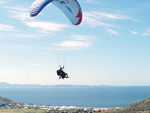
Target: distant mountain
{"x":142,"y":106}
{"x":3,"y":84}
{"x":6,"y":85}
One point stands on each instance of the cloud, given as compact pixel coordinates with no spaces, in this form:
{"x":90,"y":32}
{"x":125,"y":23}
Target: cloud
{"x":19,"y":12}
{"x":94,"y":19}
{"x":37,"y":64}
{"x":91,"y":1}
{"x":144,"y":5}
{"x":46,"y":26}
{"x":4,"y":1}
{"x":15,"y":46}
{"x":4,"y":27}
{"x":71,"y":43}
{"x":93,"y":22}
{"x":76,"y":42}
{"x":83,"y":37}
{"x":112,"y":32}
{"x":28,"y":35}
{"x":112,"y":16}
{"x":134,"y":32}
{"x":17,"y":8}
{"x":20,"y":35}
{"x":147,"y":33}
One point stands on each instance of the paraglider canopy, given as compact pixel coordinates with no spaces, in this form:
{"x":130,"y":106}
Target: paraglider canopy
{"x":70,"y":8}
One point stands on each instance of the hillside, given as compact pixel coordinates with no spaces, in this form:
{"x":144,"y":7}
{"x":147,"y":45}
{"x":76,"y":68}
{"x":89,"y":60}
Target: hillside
{"x":8,"y":103}
{"x":142,"y":106}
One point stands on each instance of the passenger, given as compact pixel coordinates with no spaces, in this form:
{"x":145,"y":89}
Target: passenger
{"x":61,"y":73}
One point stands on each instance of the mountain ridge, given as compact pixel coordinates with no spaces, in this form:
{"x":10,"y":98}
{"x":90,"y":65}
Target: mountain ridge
{"x":7,"y":85}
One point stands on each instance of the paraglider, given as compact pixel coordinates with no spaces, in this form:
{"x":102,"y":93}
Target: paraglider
{"x":70,"y":8}
{"x":61,"y":73}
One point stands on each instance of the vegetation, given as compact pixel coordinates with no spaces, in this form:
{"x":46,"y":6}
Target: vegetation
{"x":22,"y":110}
{"x":142,"y":106}
{"x":8,"y":103}
{"x":10,"y":106}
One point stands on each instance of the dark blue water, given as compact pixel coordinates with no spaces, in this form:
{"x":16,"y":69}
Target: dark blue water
{"x":80,"y":97}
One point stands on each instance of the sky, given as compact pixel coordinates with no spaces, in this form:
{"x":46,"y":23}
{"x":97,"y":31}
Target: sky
{"x":110,"y":47}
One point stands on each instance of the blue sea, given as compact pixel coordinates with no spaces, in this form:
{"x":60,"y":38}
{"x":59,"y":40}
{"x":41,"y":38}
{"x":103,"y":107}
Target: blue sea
{"x":105,"y":97}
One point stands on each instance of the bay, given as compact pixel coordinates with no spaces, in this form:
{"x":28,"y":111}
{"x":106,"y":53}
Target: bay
{"x":104,"y":97}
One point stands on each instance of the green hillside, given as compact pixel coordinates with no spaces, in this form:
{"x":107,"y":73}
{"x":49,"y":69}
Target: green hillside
{"x":142,"y":106}
{"x":8,"y":103}
{"x":11,"y":106}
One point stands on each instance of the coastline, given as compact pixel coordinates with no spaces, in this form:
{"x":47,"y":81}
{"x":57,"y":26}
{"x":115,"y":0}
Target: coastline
{"x":42,"y":107}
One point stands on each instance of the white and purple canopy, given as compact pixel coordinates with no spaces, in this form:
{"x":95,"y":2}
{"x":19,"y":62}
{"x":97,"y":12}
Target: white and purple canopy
{"x":70,"y":8}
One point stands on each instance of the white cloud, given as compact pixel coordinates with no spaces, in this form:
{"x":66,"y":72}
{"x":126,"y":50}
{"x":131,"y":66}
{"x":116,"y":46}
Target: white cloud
{"x":20,"y":15}
{"x":112,"y":16}
{"x":76,"y":42}
{"x":19,"y":12}
{"x":20,"y":35}
{"x":147,"y":33}
{"x":15,"y":46}
{"x":112,"y":31}
{"x":83,"y":37}
{"x":91,"y":1}
{"x":46,"y":26}
{"x":17,"y":8}
{"x":37,"y":64}
{"x":71,"y":43}
{"x":28,"y":35}
{"x":4,"y":1}
{"x":4,"y":27}
{"x":93,"y":22}
{"x":94,"y":19}
{"x":88,"y":1}
{"x":134,"y":32}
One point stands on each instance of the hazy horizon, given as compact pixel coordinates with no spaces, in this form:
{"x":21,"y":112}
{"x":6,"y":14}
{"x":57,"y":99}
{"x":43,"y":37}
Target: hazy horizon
{"x":1,"y":83}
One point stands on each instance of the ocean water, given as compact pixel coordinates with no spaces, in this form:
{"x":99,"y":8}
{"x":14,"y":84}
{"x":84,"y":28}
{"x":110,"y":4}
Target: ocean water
{"x":106,"y":97}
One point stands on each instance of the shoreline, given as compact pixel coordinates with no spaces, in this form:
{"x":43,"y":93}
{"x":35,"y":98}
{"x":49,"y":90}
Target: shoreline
{"x":45,"y":107}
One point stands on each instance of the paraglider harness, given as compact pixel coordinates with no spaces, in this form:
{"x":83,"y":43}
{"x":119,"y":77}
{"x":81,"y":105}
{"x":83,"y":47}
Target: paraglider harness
{"x":61,"y":73}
